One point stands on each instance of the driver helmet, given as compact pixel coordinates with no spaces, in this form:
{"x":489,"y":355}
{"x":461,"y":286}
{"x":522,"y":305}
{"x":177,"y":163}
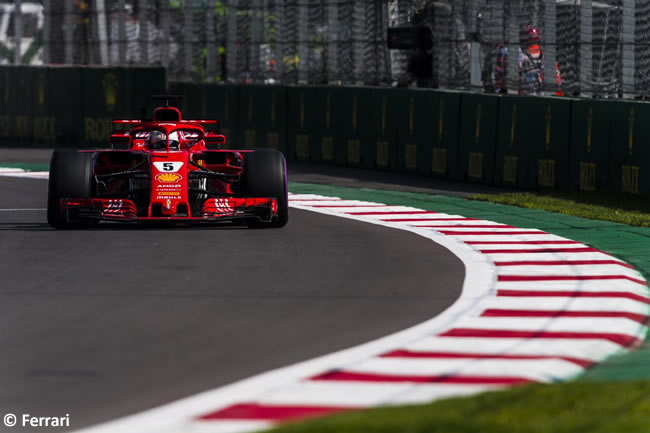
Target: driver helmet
{"x":174,"y":140}
{"x":157,"y":140}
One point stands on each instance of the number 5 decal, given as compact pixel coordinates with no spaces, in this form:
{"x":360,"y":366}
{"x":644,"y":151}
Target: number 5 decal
{"x":169,"y":167}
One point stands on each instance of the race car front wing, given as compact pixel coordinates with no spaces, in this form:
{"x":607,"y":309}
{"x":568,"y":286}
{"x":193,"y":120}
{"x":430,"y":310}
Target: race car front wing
{"x":212,"y":210}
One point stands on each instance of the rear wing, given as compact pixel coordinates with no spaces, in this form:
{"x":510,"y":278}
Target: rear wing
{"x":212,"y":125}
{"x":123,"y":125}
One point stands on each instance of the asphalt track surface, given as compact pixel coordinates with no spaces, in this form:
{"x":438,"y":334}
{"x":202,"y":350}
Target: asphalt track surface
{"x":106,"y":322}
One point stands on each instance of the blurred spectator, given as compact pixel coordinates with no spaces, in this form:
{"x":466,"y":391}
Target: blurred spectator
{"x":500,"y":72}
{"x":531,"y":64}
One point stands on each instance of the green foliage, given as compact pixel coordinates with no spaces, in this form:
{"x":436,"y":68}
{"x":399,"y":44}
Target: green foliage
{"x":607,"y":206}
{"x":560,"y":408}
{"x":220,"y":9}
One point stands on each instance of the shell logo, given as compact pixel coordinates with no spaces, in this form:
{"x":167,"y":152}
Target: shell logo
{"x":168,"y":177}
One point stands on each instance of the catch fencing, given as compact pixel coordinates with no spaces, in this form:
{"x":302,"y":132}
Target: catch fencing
{"x":589,"y":48}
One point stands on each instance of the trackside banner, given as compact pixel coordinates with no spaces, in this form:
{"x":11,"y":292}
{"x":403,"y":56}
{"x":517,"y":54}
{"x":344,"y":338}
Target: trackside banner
{"x":540,"y":143}
{"x":71,"y":106}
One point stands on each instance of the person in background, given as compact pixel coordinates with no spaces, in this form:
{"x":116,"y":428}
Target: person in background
{"x":500,"y":71}
{"x":530,"y":65}
{"x":531,"y":62}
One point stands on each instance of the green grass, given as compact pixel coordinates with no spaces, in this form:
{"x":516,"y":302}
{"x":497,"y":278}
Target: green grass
{"x":607,"y":206}
{"x":29,"y":166}
{"x":582,"y":407}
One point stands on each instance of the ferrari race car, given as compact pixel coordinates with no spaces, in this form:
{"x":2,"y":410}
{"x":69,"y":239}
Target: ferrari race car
{"x":169,"y":170}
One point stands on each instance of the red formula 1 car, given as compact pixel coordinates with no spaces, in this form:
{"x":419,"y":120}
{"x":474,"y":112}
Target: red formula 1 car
{"x":168,"y":171}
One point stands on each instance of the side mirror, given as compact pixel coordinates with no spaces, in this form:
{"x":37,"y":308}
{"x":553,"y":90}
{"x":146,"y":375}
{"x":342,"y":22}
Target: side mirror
{"x":214,"y":140}
{"x":121,"y":141}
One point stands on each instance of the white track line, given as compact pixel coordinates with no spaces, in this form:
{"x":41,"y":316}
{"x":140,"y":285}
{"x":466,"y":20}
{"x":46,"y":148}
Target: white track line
{"x":588,"y":350}
{"x":19,"y":172}
{"x":566,"y":304}
{"x":355,"y":394}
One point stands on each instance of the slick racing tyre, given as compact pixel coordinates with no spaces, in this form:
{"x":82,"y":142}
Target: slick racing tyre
{"x":265,"y":175}
{"x":71,"y":176}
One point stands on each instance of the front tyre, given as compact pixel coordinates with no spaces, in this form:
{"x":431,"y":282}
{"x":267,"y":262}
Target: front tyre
{"x":71,"y":176}
{"x":265,"y":175}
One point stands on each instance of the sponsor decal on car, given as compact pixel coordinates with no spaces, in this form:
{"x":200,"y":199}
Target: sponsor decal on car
{"x":168,"y":177}
{"x":168,"y":187}
{"x":168,"y":167}
{"x":164,"y":195}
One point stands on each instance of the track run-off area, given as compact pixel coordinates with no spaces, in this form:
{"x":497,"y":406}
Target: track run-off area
{"x":529,"y":307}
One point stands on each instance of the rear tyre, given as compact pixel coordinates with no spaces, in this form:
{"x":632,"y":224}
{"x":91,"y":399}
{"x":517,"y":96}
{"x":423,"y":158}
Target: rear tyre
{"x":71,"y":176}
{"x":265,"y":175}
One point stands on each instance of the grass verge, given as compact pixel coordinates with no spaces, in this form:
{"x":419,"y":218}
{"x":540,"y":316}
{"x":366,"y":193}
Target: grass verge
{"x":29,"y":166}
{"x":606,"y":206}
{"x":575,"y":407}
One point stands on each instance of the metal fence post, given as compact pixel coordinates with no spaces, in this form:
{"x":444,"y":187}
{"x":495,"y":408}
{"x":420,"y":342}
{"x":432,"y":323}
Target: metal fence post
{"x":358,"y":34}
{"x":302,"y":45}
{"x":385,"y":73}
{"x":585,"y":48}
{"x":18,"y":32}
{"x":100,"y":13}
{"x":47,"y":17}
{"x":69,"y":32}
{"x":279,"y":49}
{"x":255,"y":39}
{"x":164,"y":39}
{"x":629,"y":31}
{"x":444,"y":46}
{"x":289,"y":36}
{"x":121,"y":32}
{"x":549,"y":38}
{"x":398,"y":16}
{"x":332,"y":41}
{"x":512,"y":20}
{"x":143,"y":30}
{"x":211,"y":39}
{"x":231,"y":42}
{"x":345,"y":38}
{"x":475,"y":47}
{"x":188,"y":31}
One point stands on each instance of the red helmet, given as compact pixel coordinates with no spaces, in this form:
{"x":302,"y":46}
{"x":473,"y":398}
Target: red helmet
{"x":529,"y":34}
